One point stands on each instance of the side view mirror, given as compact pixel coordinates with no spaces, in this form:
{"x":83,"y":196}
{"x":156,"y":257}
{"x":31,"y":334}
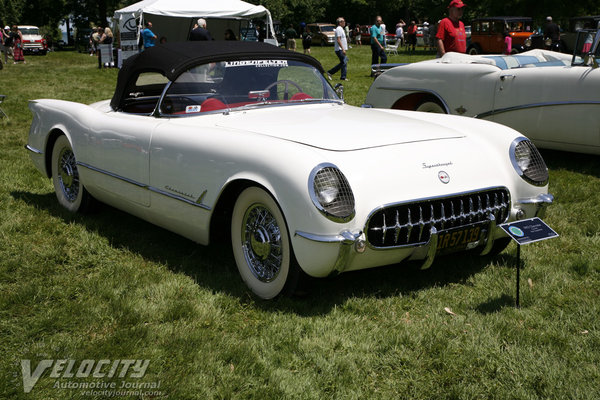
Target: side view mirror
{"x":339,"y":89}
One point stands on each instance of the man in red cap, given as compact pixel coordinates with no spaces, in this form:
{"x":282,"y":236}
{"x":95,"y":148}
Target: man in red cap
{"x":451,"y":35}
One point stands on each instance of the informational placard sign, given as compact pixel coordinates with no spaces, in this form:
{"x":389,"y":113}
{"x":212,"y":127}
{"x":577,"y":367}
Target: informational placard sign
{"x":249,"y":34}
{"x":529,"y":230}
{"x":106,"y":55}
{"x":524,"y":232}
{"x":129,"y":31}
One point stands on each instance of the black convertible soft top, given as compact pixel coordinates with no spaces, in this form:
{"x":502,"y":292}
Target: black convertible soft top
{"x":172,"y":59}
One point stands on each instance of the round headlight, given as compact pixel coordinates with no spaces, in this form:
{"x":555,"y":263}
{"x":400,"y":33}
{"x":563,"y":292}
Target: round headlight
{"x":528,"y":162}
{"x":330,"y":192}
{"x":528,"y":42}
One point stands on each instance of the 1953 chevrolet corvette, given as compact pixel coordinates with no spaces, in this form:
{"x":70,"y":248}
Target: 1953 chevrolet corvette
{"x":206,"y":137}
{"x":552,"y":98}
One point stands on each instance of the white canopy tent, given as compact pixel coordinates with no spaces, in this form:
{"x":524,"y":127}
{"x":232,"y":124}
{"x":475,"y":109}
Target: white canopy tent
{"x":174,"y":19}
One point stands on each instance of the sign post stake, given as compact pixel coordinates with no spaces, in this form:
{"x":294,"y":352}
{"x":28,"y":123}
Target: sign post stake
{"x":524,"y":232}
{"x":518,"y":302}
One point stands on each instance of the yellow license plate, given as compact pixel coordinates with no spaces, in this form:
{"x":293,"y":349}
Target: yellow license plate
{"x":463,"y":238}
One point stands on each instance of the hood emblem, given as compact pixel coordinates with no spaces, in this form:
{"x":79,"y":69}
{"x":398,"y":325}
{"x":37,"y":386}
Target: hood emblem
{"x":444,"y":177}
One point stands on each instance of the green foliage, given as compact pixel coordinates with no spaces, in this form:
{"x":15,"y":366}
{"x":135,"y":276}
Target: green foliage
{"x":110,"y":286}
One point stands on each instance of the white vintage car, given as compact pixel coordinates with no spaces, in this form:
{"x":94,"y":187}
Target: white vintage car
{"x":552,"y":98}
{"x":246,"y":138}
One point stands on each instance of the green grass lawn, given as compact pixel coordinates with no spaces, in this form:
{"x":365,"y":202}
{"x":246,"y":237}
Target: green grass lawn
{"x":108,"y":286}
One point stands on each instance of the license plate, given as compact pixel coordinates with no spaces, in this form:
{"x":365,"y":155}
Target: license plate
{"x":463,"y":238}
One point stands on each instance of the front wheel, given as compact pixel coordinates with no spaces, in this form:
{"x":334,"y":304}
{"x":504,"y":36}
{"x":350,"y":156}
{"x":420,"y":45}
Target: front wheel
{"x":261,"y":245}
{"x":70,"y":192}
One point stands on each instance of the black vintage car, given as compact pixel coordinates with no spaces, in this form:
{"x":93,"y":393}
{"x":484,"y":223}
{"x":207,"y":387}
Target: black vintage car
{"x":567,"y":37}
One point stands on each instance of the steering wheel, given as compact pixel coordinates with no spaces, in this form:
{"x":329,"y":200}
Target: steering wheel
{"x":287,"y":83}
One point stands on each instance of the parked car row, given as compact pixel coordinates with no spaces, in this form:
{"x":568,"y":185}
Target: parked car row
{"x":550,"y":97}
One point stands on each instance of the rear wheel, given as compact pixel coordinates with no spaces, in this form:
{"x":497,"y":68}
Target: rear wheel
{"x":261,"y":245}
{"x":431,"y":107}
{"x":70,"y":192}
{"x":474,"y":50}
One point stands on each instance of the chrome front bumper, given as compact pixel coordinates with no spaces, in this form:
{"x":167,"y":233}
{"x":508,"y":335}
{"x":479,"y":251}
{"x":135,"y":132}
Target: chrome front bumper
{"x":353,"y":244}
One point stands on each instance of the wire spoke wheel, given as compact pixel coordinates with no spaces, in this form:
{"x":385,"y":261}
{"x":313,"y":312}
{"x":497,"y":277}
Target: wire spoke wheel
{"x":70,"y":192}
{"x":261,"y":245}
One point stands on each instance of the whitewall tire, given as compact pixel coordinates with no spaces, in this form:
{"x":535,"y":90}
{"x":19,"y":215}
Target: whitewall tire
{"x":261,"y":245}
{"x":65,"y":176}
{"x":431,"y":107}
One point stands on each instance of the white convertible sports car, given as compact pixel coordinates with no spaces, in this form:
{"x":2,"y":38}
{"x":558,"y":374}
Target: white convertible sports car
{"x":552,"y":98}
{"x":246,"y":138}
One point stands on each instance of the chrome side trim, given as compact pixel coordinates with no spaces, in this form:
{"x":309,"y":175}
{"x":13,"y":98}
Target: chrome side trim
{"x":33,"y":149}
{"x":119,"y":177}
{"x":197,"y":203}
{"x":535,"y":105}
{"x":183,"y":199}
{"x":429,"y":91}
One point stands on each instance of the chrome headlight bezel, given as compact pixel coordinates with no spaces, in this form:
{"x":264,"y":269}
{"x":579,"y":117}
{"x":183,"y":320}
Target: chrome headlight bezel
{"x":331,"y":193}
{"x":528,"y":162}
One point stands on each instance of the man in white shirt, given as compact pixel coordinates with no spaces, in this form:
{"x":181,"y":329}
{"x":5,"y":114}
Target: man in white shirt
{"x":341,"y":46}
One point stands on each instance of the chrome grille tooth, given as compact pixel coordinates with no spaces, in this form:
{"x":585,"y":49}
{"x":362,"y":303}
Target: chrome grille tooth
{"x":384,"y":229}
{"x":421,"y":223}
{"x":443,"y":216}
{"x":409,"y":224}
{"x":471,"y":209}
{"x":397,"y":227}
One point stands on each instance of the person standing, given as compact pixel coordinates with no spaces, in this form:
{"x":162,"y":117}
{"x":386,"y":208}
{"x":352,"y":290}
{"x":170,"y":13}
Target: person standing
{"x":8,"y":47}
{"x":306,"y":40}
{"x":451,"y":35}
{"x":507,"y":42}
{"x":148,"y":36}
{"x":551,"y":31}
{"x":377,"y":40}
{"x":400,"y":33}
{"x":2,"y":49}
{"x":340,"y":48}
{"x":17,"y":43}
{"x":411,"y":36}
{"x":290,"y":38}
{"x":200,"y":33}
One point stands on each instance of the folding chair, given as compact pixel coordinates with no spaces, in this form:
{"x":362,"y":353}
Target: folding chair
{"x":2,"y":113}
{"x":392,"y":48}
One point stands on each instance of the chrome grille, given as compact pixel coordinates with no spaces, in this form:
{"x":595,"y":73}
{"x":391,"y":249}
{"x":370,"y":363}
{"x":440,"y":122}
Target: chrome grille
{"x":409,"y":224}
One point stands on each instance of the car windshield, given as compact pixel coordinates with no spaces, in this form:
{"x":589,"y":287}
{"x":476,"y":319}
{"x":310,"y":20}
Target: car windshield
{"x":585,"y":53}
{"x":30,"y":31}
{"x":229,"y":85}
{"x":327,"y":28}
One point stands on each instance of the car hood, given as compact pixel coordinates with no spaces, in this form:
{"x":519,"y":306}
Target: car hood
{"x":341,"y":127}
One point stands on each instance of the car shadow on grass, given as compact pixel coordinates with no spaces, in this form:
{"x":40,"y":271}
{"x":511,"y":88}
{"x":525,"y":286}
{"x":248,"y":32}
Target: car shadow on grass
{"x":213,"y":267}
{"x":575,"y":162}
